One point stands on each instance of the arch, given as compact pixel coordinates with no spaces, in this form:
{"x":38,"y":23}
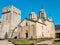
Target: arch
{"x":6,"y":35}
{"x":15,"y":37}
{"x":26,"y":35}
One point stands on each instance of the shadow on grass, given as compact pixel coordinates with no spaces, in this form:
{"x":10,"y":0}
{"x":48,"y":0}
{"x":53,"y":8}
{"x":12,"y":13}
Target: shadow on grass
{"x":57,"y":41}
{"x":43,"y":44}
{"x":24,"y":44}
{"x":31,"y":44}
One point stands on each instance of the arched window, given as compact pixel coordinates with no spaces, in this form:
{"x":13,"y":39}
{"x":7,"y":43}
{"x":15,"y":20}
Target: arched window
{"x":26,"y":24}
{"x":42,"y":27}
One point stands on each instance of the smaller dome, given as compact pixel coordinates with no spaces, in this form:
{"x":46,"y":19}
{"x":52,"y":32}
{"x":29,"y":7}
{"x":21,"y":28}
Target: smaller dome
{"x":32,"y":12}
{"x":42,"y":10}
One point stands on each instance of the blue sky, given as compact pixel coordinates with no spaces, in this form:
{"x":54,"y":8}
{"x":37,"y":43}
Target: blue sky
{"x":52,"y":7}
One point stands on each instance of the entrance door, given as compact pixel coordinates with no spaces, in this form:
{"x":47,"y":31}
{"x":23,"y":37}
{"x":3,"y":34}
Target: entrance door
{"x":15,"y":37}
{"x":26,"y":35}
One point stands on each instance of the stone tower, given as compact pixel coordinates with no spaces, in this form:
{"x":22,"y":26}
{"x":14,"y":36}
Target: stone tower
{"x":11,"y":15}
{"x":33,"y":16}
{"x":10,"y":20}
{"x":42,"y":14}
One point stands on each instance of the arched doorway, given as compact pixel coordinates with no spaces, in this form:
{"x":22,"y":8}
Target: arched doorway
{"x":6,"y":35}
{"x":15,"y":37}
{"x":26,"y":35}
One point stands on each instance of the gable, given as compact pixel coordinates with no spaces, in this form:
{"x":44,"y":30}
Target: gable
{"x":27,"y":22}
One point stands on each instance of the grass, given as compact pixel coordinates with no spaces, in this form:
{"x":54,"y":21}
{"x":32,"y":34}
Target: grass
{"x":19,"y":41}
{"x":23,"y":42}
{"x":56,"y":43}
{"x":26,"y":41}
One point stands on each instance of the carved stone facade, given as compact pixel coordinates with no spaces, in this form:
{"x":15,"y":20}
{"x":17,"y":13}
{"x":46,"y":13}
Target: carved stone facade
{"x":36,"y":29}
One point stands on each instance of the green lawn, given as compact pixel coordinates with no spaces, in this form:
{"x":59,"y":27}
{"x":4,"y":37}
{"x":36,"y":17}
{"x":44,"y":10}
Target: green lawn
{"x":23,"y":42}
{"x":26,"y":41}
{"x":57,"y":43}
{"x":18,"y":41}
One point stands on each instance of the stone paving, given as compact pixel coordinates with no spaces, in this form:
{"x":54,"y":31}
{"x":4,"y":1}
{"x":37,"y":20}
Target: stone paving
{"x":48,"y":42}
{"x":5,"y":42}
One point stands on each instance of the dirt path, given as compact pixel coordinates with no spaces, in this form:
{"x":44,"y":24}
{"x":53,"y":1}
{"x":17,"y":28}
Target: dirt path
{"x":5,"y":42}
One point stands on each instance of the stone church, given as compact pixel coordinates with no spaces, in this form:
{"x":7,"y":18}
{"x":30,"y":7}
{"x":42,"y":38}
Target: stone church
{"x":35,"y":26}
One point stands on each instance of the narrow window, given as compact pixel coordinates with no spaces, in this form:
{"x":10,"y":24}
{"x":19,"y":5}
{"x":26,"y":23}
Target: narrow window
{"x":26,"y":24}
{"x":42,"y":27}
